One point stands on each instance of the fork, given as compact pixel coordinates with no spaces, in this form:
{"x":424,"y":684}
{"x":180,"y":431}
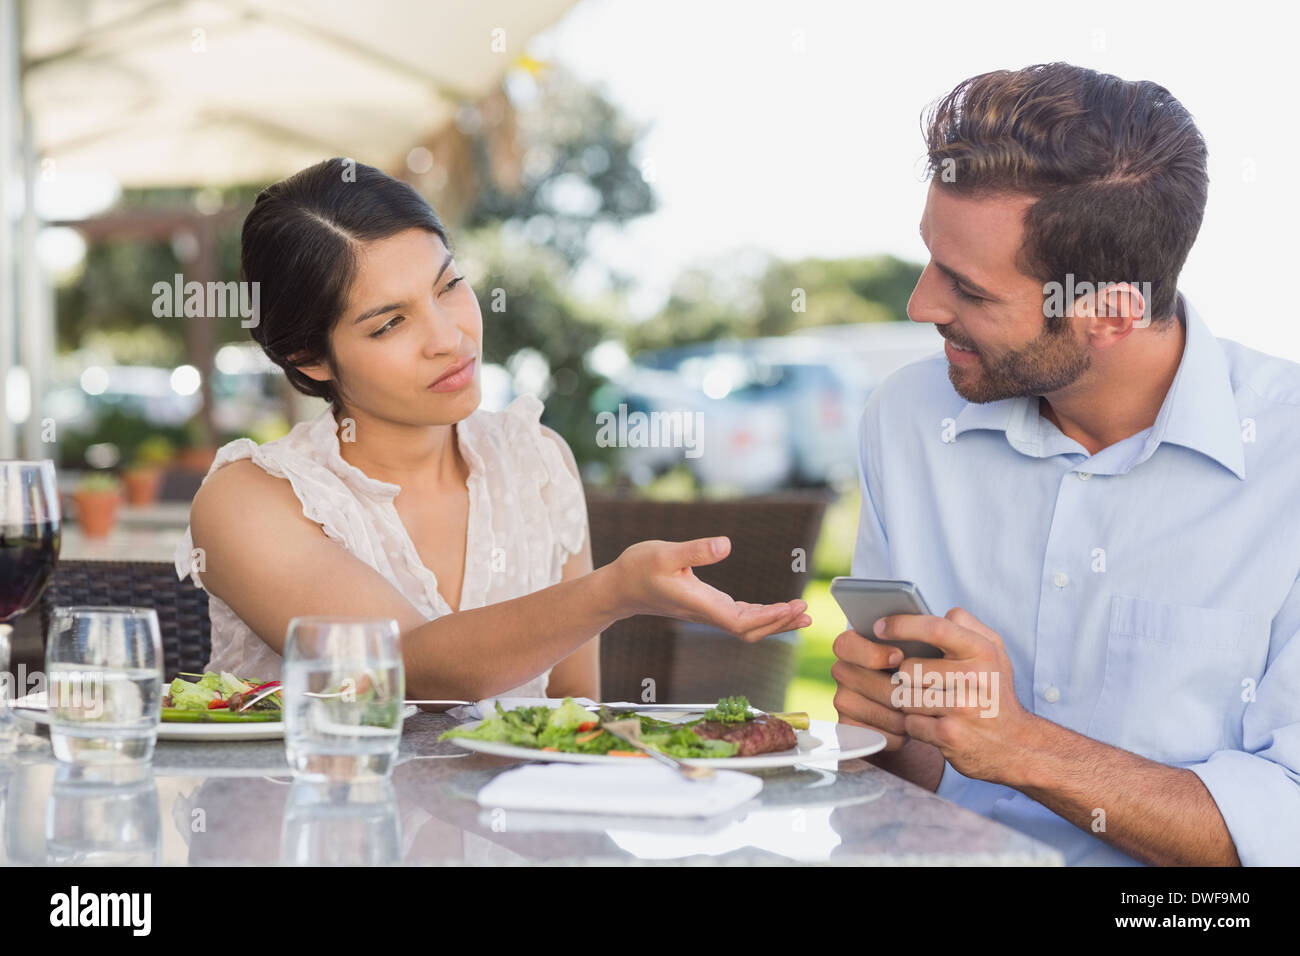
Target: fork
{"x":250,"y":701}
{"x":630,"y":731}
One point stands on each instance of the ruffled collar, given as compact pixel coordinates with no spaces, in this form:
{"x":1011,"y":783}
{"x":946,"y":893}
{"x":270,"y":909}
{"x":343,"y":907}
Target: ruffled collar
{"x":321,"y":436}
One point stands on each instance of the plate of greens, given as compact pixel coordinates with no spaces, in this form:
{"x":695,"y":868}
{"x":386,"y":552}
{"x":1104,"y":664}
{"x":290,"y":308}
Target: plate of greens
{"x":208,"y":709}
{"x":205,"y":709}
{"x":731,"y":735}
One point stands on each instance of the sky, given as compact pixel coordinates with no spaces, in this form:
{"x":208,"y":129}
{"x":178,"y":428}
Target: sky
{"x":795,"y":128}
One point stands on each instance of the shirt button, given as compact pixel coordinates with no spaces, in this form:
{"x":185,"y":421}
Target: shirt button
{"x":1084,"y":475}
{"x":1060,"y":579}
{"x":1051,"y":695}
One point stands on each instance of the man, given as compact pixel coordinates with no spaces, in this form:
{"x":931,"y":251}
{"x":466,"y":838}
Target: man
{"x":1103,"y":493}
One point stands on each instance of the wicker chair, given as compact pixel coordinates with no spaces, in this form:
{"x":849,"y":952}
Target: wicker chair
{"x":182,"y":608}
{"x":690,"y":663}
{"x":180,"y":485}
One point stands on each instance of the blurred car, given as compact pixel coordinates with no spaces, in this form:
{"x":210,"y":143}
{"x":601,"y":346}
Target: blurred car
{"x":790,"y":405}
{"x":820,"y":400}
{"x":794,"y":401}
{"x":740,"y":444}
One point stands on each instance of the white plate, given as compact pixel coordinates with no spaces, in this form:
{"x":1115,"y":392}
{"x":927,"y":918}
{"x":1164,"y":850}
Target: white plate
{"x":33,"y":707}
{"x":822,"y":740}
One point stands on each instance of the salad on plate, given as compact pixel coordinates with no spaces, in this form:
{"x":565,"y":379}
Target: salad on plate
{"x":217,"y":697}
{"x":730,"y":729}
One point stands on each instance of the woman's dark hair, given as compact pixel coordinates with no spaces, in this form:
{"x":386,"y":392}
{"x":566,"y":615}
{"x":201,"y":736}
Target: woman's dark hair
{"x":1118,"y":168}
{"x":300,"y":244}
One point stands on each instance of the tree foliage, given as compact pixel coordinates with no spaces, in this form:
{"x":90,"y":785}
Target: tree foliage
{"x":716,"y":302}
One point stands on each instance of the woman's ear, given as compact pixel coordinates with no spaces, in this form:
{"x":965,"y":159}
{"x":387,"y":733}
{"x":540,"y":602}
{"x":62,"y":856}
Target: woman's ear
{"x":319,"y":371}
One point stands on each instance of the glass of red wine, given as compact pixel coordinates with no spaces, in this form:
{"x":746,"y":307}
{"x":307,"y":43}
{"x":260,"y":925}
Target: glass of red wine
{"x":30,"y":531}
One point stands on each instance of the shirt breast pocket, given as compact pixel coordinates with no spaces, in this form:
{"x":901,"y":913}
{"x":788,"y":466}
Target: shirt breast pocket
{"x":1173,"y":686}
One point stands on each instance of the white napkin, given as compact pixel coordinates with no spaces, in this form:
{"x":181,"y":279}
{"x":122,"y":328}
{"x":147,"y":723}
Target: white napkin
{"x":650,"y":790}
{"x":488,"y":705}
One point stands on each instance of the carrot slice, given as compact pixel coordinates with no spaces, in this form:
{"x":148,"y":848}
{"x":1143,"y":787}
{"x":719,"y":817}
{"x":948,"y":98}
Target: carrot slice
{"x":627,"y":753}
{"x":554,"y":750}
{"x":586,"y":737}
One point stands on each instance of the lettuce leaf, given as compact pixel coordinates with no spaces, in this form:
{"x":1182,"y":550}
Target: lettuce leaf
{"x":187,"y":696}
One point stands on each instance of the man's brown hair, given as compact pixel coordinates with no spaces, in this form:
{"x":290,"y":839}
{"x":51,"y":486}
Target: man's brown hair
{"x":1118,"y":169}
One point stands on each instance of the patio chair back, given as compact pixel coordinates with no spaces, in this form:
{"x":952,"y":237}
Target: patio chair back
{"x":182,"y":608}
{"x":691,"y":663}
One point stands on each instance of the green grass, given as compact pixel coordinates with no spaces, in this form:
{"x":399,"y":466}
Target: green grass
{"x":812,"y":687}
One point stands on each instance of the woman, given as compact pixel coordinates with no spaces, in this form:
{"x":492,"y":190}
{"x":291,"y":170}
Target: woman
{"x":403,"y":499}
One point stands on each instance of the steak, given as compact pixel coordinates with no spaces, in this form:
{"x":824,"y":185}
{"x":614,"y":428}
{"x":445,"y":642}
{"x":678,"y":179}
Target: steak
{"x":761,"y":735}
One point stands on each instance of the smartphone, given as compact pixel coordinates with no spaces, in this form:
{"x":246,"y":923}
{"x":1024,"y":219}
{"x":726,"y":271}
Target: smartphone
{"x":866,"y":600}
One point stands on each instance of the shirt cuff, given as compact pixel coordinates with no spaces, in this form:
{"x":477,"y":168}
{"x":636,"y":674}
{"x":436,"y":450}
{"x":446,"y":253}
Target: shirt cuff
{"x":1259,"y":802}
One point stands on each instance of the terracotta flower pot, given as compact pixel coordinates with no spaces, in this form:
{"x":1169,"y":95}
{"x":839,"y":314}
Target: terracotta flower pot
{"x":96,"y":511}
{"x":142,"y":485}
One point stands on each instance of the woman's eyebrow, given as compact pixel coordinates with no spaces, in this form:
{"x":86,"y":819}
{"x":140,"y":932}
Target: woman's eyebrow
{"x":393,"y":306}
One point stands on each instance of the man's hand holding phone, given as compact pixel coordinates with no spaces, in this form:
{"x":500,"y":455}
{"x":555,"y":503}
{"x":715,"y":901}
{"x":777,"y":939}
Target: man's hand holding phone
{"x":862,"y":672}
{"x":984,"y":733}
{"x":863,"y":665}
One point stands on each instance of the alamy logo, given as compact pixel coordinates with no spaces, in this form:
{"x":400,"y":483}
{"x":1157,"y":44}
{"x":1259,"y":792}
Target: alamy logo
{"x":216,"y":300}
{"x":678,"y":429}
{"x":961,"y":689}
{"x":102,"y":909}
{"x":1059,"y":299}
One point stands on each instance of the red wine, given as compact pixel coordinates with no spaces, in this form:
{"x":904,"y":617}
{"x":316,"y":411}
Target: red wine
{"x":27,"y":556}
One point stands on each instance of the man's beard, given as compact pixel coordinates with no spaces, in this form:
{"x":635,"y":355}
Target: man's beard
{"x":1050,"y":362}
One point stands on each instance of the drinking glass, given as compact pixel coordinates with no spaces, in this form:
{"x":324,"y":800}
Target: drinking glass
{"x":344,"y":687}
{"x":30,"y":532}
{"x":103,"y":666}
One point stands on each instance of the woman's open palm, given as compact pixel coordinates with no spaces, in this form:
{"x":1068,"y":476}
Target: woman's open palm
{"x":657,"y":578}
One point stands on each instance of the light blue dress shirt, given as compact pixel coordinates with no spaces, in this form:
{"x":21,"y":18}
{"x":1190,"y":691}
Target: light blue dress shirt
{"x":1148,"y":595}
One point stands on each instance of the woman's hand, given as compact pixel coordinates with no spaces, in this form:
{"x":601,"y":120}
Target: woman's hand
{"x":655,"y":577}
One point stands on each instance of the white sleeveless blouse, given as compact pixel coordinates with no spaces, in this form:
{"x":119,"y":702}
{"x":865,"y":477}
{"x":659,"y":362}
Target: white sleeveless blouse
{"x":526,"y":517}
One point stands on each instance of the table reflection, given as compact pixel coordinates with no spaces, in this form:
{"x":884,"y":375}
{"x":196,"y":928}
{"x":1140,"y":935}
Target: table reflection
{"x":103,"y":816}
{"x":348,"y":824}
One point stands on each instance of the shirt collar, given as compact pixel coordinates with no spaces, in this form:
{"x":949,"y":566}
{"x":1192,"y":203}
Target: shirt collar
{"x":1199,"y":410}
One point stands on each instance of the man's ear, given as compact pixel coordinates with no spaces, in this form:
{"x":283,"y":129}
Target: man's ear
{"x":1115,"y":310}
{"x":1125,"y":300}
{"x":1125,"y":303}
